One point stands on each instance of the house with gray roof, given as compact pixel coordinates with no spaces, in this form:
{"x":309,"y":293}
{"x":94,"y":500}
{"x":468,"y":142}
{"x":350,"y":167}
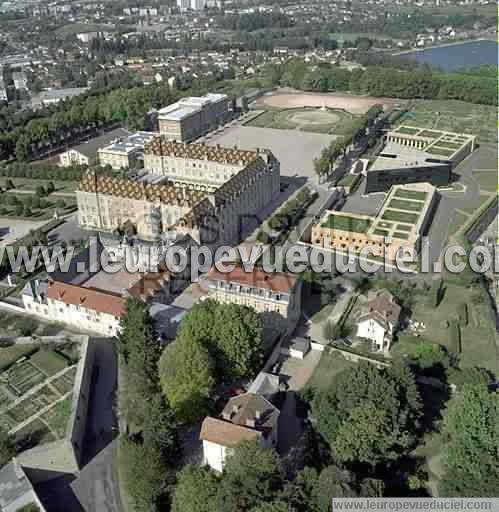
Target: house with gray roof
{"x":87,"y":153}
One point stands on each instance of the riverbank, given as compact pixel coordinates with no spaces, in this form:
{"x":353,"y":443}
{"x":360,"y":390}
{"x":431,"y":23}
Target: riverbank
{"x":443,"y":45}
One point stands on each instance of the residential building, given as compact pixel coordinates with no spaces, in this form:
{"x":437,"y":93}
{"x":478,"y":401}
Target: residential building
{"x":245,"y":417}
{"x":378,"y":319}
{"x":20,"y":80}
{"x":55,"y":95}
{"x":127,"y":152}
{"x":398,"y":226}
{"x":16,"y":490}
{"x":191,"y":117}
{"x":89,"y":309}
{"x":276,"y":296}
{"x":87,"y":153}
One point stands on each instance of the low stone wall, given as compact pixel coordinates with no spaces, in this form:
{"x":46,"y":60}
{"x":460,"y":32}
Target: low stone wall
{"x":350,"y":356}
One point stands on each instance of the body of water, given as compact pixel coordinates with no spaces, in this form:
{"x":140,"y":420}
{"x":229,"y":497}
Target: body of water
{"x":465,"y":55}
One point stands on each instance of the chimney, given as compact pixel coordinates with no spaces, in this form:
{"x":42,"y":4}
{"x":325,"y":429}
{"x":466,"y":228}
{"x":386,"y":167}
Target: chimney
{"x":235,"y":408}
{"x":258,"y":414}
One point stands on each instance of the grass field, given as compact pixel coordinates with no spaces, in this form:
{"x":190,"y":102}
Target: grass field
{"x":411,"y":194}
{"x":400,"y":204}
{"x":32,"y":184}
{"x":345,"y":223}
{"x":329,"y":366}
{"x":409,"y":218}
{"x":478,"y":337}
{"x":307,"y":119}
{"x":456,"y":116}
{"x":488,"y":179}
{"x":48,"y":362}
{"x":77,"y":28}
{"x":57,"y":417}
{"x":9,"y":355}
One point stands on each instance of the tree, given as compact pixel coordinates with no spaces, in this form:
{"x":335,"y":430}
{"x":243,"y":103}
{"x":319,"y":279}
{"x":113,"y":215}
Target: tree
{"x":471,"y":452}
{"x":139,"y":350}
{"x":369,"y":435}
{"x":50,"y":187}
{"x":274,"y":506}
{"x":160,"y":428}
{"x":40,"y":191}
{"x":252,"y":476}
{"x":7,"y":447}
{"x":195,"y":490}
{"x":361,"y":398}
{"x":232,"y":334}
{"x":185,"y":373}
{"x":137,"y":342}
{"x":144,"y":474}
{"x":244,"y":104}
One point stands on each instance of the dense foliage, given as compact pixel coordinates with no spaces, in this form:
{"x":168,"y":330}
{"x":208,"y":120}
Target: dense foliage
{"x":471,"y":451}
{"x":368,"y":415}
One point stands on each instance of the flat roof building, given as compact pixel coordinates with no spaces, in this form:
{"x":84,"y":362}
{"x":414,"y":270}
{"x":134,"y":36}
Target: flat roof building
{"x":400,"y":223}
{"x":193,"y":116}
{"x":125,"y":152}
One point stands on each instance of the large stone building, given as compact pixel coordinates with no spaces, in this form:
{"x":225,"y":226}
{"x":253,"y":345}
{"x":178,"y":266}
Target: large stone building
{"x":402,"y":220}
{"x":151,"y":210}
{"x":191,"y":117}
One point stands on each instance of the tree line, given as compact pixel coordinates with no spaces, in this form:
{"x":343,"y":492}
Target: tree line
{"x":420,"y":83}
{"x":339,"y":147}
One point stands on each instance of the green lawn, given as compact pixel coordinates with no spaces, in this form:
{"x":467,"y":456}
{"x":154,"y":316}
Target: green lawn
{"x":478,"y":337}
{"x":455,"y":116}
{"x":400,"y":204}
{"x":49,"y":362}
{"x":409,"y":218}
{"x":32,"y":184}
{"x":345,"y":223}
{"x":411,"y":194}
{"x":329,"y":366}
{"x":77,"y":28}
{"x":399,"y":234}
{"x":488,"y":179}
{"x":9,"y":355}
{"x":407,"y":130}
{"x":434,"y":150}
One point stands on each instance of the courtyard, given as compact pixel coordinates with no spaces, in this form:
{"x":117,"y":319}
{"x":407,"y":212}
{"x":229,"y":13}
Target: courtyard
{"x":296,"y":150}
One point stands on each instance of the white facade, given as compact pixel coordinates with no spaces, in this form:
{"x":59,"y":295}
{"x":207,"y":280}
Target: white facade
{"x":73,"y":157}
{"x":215,"y":455}
{"x":372,"y":330}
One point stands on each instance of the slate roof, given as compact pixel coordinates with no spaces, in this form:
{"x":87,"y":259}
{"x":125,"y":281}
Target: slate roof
{"x":90,"y":148}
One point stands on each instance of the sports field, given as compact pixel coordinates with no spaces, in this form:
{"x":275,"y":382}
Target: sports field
{"x":357,"y":105}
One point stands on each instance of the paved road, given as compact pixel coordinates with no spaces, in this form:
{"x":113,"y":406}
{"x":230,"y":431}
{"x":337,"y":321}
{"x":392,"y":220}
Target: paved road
{"x":95,"y":488}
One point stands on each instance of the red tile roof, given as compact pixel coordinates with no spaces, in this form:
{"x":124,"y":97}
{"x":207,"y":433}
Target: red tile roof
{"x":226,"y":433}
{"x":89,"y":298}
{"x":149,"y":284}
{"x":277,"y":282}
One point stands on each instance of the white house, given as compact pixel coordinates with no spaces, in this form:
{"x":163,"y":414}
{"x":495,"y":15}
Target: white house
{"x":378,"y":319}
{"x":89,"y":309}
{"x":245,"y":417}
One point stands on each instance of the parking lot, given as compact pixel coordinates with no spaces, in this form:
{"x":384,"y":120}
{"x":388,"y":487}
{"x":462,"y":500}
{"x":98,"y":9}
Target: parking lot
{"x":295,"y":149}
